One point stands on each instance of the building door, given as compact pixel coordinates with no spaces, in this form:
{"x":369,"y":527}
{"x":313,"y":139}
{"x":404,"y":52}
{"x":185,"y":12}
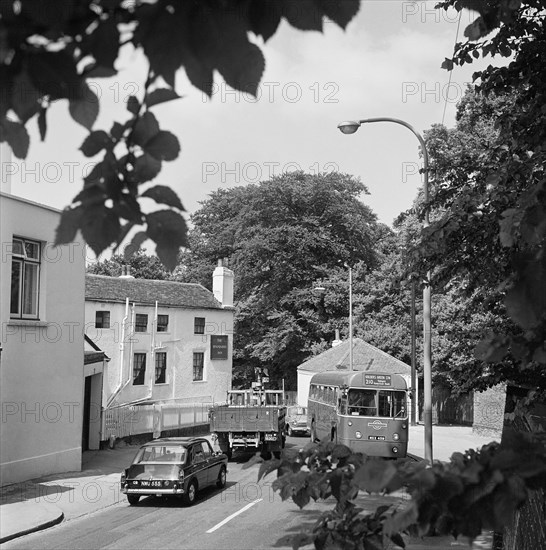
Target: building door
{"x":86,"y":413}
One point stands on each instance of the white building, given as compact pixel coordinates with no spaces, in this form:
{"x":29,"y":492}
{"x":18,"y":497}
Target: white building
{"x":42,"y":357}
{"x":166,"y":341}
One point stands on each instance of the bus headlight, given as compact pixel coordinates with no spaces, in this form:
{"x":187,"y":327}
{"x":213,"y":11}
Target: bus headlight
{"x":395,"y":450}
{"x":395,"y":436}
{"x":358,"y":435}
{"x":350,"y":423}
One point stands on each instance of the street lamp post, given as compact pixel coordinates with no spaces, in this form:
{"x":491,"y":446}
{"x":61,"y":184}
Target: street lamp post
{"x":350,"y":313}
{"x":350,"y":127}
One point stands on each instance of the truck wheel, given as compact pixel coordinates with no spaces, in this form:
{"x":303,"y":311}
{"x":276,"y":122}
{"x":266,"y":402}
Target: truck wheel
{"x":277,"y":454}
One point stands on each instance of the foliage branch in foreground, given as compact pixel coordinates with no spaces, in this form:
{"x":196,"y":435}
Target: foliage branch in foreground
{"x":49,"y":50}
{"x":477,"y":489}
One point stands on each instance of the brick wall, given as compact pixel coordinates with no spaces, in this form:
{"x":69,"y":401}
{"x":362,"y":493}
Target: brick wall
{"x":489,"y":411}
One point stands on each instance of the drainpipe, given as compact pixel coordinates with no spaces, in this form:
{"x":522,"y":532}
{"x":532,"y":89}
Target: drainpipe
{"x":122,"y":385}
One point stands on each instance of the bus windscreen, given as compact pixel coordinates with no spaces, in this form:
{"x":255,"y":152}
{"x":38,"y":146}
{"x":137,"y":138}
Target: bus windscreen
{"x":367,"y":402}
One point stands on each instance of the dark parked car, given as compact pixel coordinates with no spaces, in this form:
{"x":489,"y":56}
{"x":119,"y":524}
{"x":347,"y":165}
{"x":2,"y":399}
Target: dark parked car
{"x":177,"y":466}
{"x":296,"y":421}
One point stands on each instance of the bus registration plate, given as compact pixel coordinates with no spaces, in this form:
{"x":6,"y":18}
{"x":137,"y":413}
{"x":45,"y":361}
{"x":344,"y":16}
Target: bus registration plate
{"x":376,"y":437}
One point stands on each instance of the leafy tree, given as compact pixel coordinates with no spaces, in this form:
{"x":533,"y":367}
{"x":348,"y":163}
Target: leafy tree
{"x":493,"y":231}
{"x":282,"y":238}
{"x":487,"y":236}
{"x":49,"y":51}
{"x":141,"y":266}
{"x":477,"y":489}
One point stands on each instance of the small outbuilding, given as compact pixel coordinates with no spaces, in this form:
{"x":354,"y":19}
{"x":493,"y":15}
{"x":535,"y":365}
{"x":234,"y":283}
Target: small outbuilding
{"x":365,"y":358}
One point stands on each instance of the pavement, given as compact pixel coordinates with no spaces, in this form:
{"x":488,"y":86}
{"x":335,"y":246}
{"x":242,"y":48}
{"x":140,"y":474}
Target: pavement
{"x":40,"y":503}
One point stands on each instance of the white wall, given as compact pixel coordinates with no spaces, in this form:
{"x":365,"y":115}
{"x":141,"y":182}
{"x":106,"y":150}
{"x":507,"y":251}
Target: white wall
{"x":179,"y":342}
{"x":41,"y":373}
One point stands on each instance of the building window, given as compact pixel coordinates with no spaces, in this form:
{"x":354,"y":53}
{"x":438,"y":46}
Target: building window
{"x":25,"y":278}
{"x":160,"y":367}
{"x":141,"y":322}
{"x":102,"y":319}
{"x":198,"y":363}
{"x":199,"y":325}
{"x":139,"y":369}
{"x":162,"y":323}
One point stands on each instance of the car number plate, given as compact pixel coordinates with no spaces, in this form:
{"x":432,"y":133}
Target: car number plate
{"x":376,"y":437}
{"x":271,"y":437}
{"x":150,"y":483}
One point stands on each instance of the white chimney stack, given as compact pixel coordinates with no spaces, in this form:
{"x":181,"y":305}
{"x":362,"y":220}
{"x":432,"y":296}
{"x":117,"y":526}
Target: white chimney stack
{"x":222,"y":284}
{"x":337,"y":339}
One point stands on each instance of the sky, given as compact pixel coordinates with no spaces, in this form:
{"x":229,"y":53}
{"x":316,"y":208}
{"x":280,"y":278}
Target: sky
{"x":385,"y":64}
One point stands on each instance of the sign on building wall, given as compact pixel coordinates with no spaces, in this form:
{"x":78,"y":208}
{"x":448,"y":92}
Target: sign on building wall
{"x":218,"y":347}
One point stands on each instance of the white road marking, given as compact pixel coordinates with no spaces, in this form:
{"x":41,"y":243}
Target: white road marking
{"x":229,"y":518}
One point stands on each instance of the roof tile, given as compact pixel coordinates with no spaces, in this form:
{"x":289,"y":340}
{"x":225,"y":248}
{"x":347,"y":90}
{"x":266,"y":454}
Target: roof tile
{"x":365,"y":357}
{"x":101,"y":288}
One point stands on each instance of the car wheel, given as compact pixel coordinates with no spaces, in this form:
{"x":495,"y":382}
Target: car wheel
{"x":191,"y":493}
{"x":133,"y":499}
{"x":290,"y":432}
{"x":221,"y":482}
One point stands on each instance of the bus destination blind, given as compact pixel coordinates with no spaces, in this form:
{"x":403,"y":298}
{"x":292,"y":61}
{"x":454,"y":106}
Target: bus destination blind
{"x":377,"y":379}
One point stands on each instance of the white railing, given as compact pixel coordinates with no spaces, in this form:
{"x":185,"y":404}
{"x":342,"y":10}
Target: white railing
{"x":129,"y":420}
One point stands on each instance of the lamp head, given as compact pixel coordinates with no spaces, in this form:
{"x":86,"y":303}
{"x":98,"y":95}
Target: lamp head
{"x":349,"y":126}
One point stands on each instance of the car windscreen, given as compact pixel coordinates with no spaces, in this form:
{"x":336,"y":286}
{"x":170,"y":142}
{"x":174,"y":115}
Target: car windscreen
{"x":297,"y":411}
{"x":161,"y":454}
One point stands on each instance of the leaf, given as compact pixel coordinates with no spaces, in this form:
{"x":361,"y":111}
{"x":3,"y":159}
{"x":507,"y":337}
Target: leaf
{"x":398,"y":540}
{"x":117,"y":131}
{"x":95,"y":142}
{"x":243,"y":70}
{"x":69,"y":225}
{"x":146,"y":168}
{"x":340,"y":12}
{"x":146,"y":128}
{"x":476,"y":29}
{"x":17,"y":137}
{"x":264,"y":18}
{"x":55,"y":74}
{"x":163,"y":195}
{"x":254,"y":459}
{"x":447,"y":64}
{"x":301,"y":498}
{"x":133,"y":105}
{"x":163,"y":146}
{"x":341,"y":451}
{"x":134,"y":245}
{"x":104,"y":42}
{"x":168,"y":229}
{"x":267,"y":467}
{"x":303,"y":15}
{"x":160,"y":95}
{"x":100,"y":227}
{"x":374,"y":475}
{"x":85,"y":110}
{"x":101,"y":72}
{"x":42,"y":123}
{"x":25,"y":98}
